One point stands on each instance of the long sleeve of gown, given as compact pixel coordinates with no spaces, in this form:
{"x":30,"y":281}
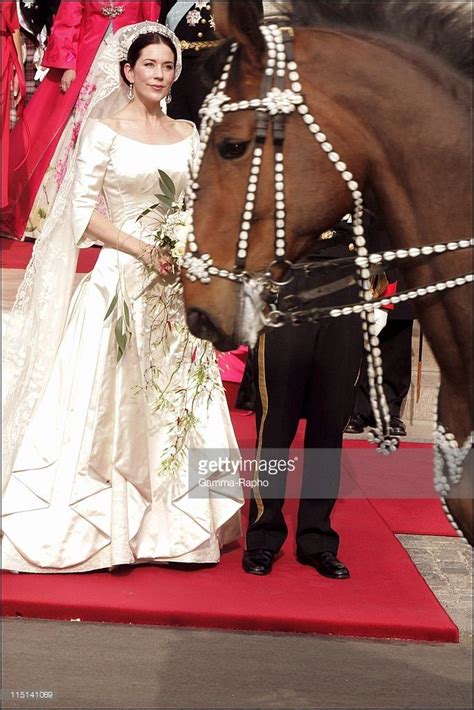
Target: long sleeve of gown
{"x":61,"y":51}
{"x":9,"y":20}
{"x":91,"y":167}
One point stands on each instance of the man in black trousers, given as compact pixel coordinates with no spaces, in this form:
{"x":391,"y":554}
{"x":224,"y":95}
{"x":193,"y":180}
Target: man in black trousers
{"x":36,"y":19}
{"x":308,"y":371}
{"x":395,"y":345}
{"x":194,"y":26}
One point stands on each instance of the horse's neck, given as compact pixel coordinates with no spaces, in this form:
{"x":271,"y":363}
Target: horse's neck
{"x":409,"y":135}
{"x":420,"y":132}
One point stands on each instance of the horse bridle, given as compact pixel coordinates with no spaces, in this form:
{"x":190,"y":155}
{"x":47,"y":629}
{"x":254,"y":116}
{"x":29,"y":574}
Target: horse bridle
{"x":272,"y":108}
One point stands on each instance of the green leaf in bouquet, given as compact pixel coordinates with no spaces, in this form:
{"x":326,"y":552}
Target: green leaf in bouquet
{"x":148,"y":210}
{"x":111,"y":307}
{"x":120,"y":335}
{"x":126,"y":313}
{"x":168,"y":201}
{"x":167,"y":185}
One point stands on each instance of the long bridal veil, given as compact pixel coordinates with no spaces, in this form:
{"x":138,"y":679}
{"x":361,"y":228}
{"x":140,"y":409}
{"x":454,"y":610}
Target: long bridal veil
{"x":38,"y":316}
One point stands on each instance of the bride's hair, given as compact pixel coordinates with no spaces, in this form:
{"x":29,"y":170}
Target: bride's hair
{"x":140,"y":43}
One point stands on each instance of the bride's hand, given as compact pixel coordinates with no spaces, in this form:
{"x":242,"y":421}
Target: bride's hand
{"x":159,"y":262}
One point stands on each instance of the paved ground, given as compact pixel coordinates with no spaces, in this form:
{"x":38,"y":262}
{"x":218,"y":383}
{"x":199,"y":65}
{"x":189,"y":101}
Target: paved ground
{"x":446,"y":564}
{"x":118,"y":666}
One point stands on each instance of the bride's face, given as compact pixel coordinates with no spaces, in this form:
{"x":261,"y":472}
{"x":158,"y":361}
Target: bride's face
{"x":153,"y":73}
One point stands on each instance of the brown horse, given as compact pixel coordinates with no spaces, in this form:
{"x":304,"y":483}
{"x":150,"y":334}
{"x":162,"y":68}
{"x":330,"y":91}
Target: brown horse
{"x":399,"y":117}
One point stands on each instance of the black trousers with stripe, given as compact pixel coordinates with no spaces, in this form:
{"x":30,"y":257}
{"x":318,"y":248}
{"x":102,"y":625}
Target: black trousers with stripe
{"x":395,"y":344}
{"x":304,"y":371}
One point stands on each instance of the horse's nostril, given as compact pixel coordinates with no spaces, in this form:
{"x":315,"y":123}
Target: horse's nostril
{"x":201,"y":325}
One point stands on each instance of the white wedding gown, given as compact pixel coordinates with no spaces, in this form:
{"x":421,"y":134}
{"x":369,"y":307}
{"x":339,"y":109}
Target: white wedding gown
{"x":97,"y":481}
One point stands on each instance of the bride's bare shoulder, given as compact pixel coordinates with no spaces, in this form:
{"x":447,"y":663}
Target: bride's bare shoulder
{"x":114,"y":121}
{"x":182,"y":127}
{"x":119,"y":119}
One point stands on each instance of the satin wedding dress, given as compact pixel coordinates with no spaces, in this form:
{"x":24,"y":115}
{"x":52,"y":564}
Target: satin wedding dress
{"x":97,"y":481}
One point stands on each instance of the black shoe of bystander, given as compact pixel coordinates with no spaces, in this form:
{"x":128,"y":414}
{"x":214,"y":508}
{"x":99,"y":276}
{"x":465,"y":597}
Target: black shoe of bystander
{"x":326,"y":563}
{"x":397,"y":427}
{"x":258,"y":561}
{"x":356,"y":424}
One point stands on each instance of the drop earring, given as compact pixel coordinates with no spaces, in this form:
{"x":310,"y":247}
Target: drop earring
{"x":131,"y":92}
{"x":169,"y":98}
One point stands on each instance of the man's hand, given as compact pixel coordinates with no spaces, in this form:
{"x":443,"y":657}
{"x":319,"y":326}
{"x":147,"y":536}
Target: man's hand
{"x":66,"y":80}
{"x":17,"y":97}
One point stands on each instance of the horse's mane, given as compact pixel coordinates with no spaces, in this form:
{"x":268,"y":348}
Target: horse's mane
{"x":418,"y":30}
{"x":443,"y":27}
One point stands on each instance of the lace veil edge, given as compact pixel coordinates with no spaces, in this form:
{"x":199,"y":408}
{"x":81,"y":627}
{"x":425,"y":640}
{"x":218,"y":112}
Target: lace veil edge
{"x":38,"y":317}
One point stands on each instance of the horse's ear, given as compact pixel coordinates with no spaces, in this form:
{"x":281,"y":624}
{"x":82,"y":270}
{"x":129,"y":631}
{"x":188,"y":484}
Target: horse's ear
{"x":239,"y":20}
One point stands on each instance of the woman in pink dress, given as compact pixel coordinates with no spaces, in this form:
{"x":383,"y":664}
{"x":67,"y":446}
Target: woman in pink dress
{"x":42,"y":141}
{"x":11,"y":77}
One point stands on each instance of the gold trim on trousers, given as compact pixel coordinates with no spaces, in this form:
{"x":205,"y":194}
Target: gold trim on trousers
{"x":262,"y":388}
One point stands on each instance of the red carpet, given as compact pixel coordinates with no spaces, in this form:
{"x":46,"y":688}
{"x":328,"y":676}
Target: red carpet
{"x":414,"y":517}
{"x":16,"y":255}
{"x":399,"y":486}
{"x":386,"y":597}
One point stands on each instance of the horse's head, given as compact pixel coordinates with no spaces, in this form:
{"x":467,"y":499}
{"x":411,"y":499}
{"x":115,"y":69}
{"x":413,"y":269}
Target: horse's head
{"x":232,"y":199}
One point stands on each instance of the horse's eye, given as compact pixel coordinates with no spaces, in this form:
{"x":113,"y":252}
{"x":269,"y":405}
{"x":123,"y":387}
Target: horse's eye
{"x":231,"y":149}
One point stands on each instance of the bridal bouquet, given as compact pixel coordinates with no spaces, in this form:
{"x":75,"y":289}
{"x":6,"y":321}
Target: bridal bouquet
{"x":166,"y":250}
{"x":179,"y":376}
{"x":169,"y":239}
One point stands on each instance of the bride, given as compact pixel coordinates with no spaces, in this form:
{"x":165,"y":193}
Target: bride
{"x":98,"y":468}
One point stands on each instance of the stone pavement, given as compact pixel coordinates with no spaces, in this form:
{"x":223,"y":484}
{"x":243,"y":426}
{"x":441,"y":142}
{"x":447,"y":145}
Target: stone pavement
{"x":127,"y":666}
{"x":446,"y":565}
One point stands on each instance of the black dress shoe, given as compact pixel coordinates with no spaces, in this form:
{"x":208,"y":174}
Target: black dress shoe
{"x":326,"y":563}
{"x":356,"y":424}
{"x":258,"y":561}
{"x":397,"y":427}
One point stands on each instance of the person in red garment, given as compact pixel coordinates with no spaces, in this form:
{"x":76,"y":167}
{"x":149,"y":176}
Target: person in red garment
{"x":12,"y":77}
{"x":42,"y":141}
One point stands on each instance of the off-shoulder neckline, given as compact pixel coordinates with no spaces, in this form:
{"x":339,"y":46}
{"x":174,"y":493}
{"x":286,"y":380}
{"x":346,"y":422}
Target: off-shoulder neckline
{"x":150,"y":145}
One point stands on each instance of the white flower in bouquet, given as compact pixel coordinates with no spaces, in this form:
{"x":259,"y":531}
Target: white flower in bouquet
{"x":168,"y":248}
{"x":171,"y":236}
{"x":181,"y":237}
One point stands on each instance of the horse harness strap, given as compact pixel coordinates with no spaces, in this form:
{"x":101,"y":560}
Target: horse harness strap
{"x":272,"y":108}
{"x":275,"y":105}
